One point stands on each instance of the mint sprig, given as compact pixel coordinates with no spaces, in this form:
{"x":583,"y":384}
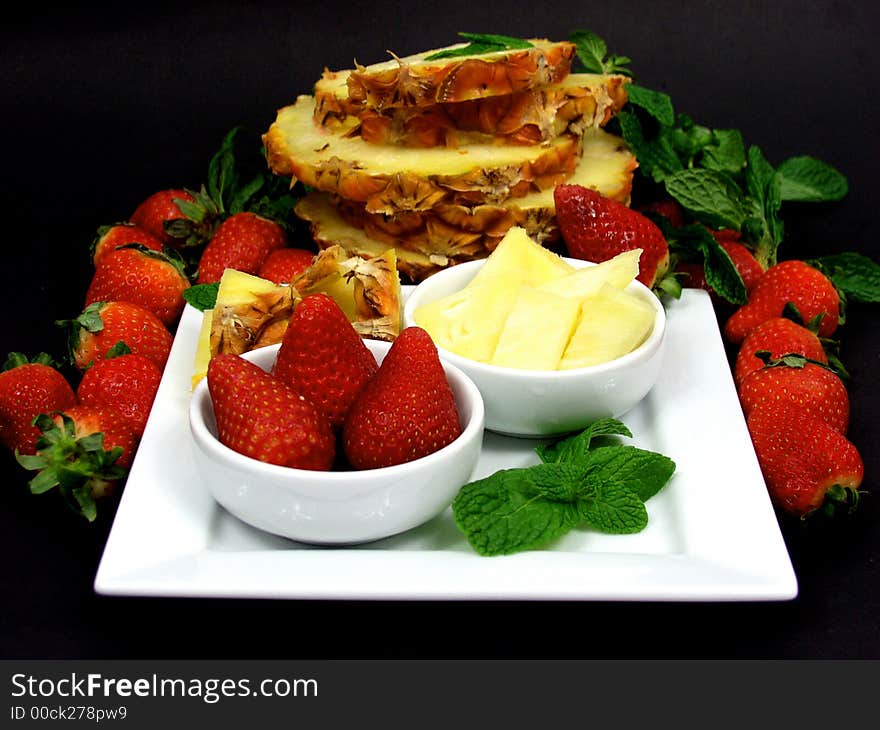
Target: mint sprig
{"x":592,"y":52}
{"x":479,"y":44}
{"x":603,"y":487}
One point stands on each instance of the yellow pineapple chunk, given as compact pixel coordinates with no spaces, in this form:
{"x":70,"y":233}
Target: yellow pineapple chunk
{"x":536,"y":331}
{"x":586,"y":282}
{"x":612,"y":324}
{"x":203,"y":348}
{"x":517,"y":258}
{"x":469,"y":322}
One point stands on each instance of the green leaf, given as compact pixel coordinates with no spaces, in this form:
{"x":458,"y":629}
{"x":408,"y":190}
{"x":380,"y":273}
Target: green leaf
{"x":202,"y":296}
{"x":806,"y":179}
{"x":505,"y":513}
{"x":854,"y":274}
{"x":481,"y":43}
{"x":710,"y":196}
{"x":615,"y":509}
{"x":726,"y":152}
{"x":591,"y":51}
{"x":657,"y":157}
{"x":763,"y":185}
{"x":697,"y":243}
{"x":642,"y":472}
{"x":575,"y":448}
{"x":655,"y":103}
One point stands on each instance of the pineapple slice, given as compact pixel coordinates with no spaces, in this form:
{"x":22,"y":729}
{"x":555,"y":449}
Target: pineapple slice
{"x":418,"y":80}
{"x":612,"y":324}
{"x":579,"y":102}
{"x":249,"y":312}
{"x":203,"y":348}
{"x":427,"y":241}
{"x":583,"y":283}
{"x":390,"y":179}
{"x":518,"y":259}
{"x":536,"y":331}
{"x":469,"y":322}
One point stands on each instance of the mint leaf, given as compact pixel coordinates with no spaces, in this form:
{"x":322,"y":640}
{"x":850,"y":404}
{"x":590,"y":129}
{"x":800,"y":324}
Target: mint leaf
{"x":697,"y":243}
{"x":614,"y":509}
{"x":712,"y":197}
{"x":481,"y":43}
{"x":854,"y":274}
{"x":725,"y":153}
{"x":644,"y":473}
{"x":576,"y":448}
{"x":763,"y":186}
{"x":202,"y":296}
{"x":655,"y":103}
{"x":657,"y":157}
{"x":506,"y":513}
{"x":806,"y":179}
{"x":591,"y":52}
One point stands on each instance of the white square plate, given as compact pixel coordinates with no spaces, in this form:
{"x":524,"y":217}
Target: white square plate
{"x":712,"y":532}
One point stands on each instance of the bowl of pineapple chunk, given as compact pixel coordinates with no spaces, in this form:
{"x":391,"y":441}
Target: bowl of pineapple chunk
{"x":552,"y":343}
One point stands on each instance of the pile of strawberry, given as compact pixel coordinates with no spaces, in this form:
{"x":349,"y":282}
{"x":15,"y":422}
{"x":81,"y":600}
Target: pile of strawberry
{"x":81,"y":440}
{"x":325,"y":403}
{"x":795,"y":402}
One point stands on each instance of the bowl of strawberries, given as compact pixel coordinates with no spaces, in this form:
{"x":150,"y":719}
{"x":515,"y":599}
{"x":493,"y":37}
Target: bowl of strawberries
{"x":328,"y":438}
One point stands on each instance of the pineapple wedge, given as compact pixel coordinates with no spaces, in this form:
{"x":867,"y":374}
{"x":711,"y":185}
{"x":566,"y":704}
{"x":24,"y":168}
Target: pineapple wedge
{"x":419,"y":80}
{"x":612,"y":324}
{"x":583,"y":283}
{"x":579,"y":102}
{"x":537,"y":331}
{"x":249,"y":312}
{"x":366,"y":289}
{"x":427,"y":241}
{"x":203,"y":348}
{"x":392,"y":179}
{"x":469,"y":322}
{"x":518,"y":259}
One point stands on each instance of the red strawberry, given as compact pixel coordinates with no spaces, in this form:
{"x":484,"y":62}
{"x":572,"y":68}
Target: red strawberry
{"x":102,"y":325}
{"x":121,"y":234}
{"x":805,"y":462}
{"x":159,"y":210}
{"x":405,"y":411}
{"x":84,"y":451}
{"x":794,"y":282}
{"x":283,"y":265}
{"x":778,"y":336}
{"x":669,"y":208}
{"x":261,"y":417}
{"x":242,"y":242}
{"x":596,"y":228}
{"x":746,"y":263}
{"x":323,"y":358}
{"x":127,"y":382}
{"x":27,"y":389}
{"x":815,"y":389}
{"x":140,"y":275}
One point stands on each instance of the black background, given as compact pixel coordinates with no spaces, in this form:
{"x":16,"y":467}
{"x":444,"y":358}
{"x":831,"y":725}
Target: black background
{"x":103,"y":106}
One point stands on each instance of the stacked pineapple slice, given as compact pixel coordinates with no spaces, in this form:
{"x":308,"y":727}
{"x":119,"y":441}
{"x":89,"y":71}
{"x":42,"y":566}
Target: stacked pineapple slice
{"x":438,"y":155}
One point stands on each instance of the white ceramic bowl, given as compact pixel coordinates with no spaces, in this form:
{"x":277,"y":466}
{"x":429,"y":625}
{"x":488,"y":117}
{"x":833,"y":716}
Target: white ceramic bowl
{"x":539,"y":403}
{"x":334,"y":508}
